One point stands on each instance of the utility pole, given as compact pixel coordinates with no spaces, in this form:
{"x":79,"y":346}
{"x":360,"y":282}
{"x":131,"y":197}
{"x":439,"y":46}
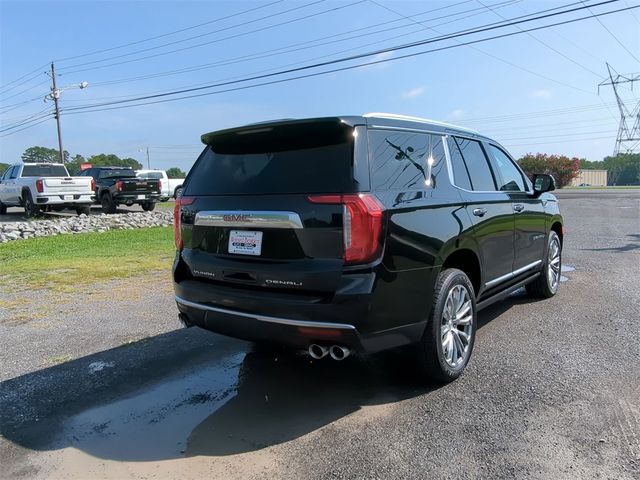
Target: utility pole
{"x":148,"y":161}
{"x":628,"y":139}
{"x":55,"y":94}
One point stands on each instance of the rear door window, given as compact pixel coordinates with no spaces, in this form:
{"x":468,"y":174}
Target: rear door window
{"x":308,"y":158}
{"x":476,"y":161}
{"x":405,"y":160}
{"x":117,"y":173}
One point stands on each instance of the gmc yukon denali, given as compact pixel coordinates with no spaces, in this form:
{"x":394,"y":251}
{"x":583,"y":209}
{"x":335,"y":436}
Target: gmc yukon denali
{"x":358,"y":234}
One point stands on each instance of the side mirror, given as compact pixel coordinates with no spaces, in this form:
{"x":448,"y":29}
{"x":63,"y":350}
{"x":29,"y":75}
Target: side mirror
{"x":543,"y":182}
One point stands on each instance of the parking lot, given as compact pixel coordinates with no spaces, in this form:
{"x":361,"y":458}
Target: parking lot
{"x":109,"y":387}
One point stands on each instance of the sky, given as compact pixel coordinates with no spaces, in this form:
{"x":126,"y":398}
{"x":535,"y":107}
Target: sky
{"x":533,"y":92}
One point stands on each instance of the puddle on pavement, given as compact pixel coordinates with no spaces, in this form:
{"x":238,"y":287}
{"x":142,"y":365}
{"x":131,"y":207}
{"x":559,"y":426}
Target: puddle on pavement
{"x":242,"y":403}
{"x":155,"y":423}
{"x":565,"y":269}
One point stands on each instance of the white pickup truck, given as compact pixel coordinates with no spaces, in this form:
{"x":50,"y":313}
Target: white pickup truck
{"x":44,"y":186}
{"x":169,"y":187}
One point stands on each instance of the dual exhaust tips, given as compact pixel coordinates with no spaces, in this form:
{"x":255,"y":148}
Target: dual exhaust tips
{"x":337,"y":352}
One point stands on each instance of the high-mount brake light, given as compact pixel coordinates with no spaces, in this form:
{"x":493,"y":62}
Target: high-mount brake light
{"x":177,"y":220}
{"x":362,"y":224}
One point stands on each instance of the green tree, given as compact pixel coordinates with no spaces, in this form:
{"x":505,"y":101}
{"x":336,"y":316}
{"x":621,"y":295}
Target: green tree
{"x":111,"y":160}
{"x":591,"y":165}
{"x":623,"y":169}
{"x":73,"y":165}
{"x":563,"y":169}
{"x":175,"y":172}
{"x":3,"y":167}
{"x":43,"y":154}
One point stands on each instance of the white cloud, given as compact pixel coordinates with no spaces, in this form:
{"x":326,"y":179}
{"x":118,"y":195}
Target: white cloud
{"x":413,"y":93}
{"x":457,"y":113}
{"x":542,"y":93}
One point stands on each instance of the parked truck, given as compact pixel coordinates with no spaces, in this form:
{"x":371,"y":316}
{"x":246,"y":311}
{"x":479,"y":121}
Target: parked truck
{"x":169,"y":187}
{"x":119,"y":186}
{"x":44,"y":186}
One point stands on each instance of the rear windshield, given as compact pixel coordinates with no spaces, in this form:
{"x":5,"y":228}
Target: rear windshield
{"x":117,"y":173}
{"x":44,"y":171}
{"x":293,"y":159}
{"x":153,"y":175}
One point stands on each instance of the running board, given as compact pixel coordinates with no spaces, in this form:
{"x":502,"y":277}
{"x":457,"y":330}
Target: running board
{"x":505,"y":293}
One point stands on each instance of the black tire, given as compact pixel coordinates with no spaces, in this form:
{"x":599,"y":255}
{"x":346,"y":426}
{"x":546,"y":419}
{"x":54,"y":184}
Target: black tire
{"x":108,"y":205}
{"x":148,"y":206}
{"x":30,"y":208}
{"x":86,"y":210}
{"x":547,"y":283}
{"x":56,"y":208}
{"x":440,"y":364}
{"x":3,"y":209}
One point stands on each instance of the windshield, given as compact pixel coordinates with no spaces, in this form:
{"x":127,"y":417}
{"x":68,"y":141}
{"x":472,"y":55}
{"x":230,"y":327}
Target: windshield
{"x":117,"y":173}
{"x":153,"y":175}
{"x":44,"y":171}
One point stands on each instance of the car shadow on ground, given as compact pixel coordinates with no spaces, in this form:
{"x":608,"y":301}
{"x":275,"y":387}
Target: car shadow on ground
{"x":190,"y":393}
{"x":632,"y":245}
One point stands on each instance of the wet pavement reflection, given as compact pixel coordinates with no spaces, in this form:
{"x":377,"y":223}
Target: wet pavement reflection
{"x":236,"y":404}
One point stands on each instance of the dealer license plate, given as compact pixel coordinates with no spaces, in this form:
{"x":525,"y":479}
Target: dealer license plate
{"x":140,"y":197}
{"x":68,"y":197}
{"x":245,"y":243}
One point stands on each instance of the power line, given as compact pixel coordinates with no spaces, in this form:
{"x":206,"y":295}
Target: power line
{"x":355,"y":57}
{"x":25,"y":128}
{"x":546,"y":45}
{"x":4,"y":87}
{"x":562,"y":135}
{"x":268,"y":27}
{"x":557,"y":141}
{"x":614,"y":37}
{"x":291,"y":47}
{"x":104,"y":50}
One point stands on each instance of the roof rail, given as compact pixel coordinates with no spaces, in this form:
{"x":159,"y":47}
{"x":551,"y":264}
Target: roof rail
{"x":416,"y":119}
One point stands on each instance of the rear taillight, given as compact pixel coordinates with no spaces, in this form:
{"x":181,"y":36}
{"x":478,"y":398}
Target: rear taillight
{"x":160,"y":185}
{"x":177,"y":220}
{"x":361,"y":225}
{"x":119,"y":185}
{"x":39,"y":186}
{"x":93,"y":184}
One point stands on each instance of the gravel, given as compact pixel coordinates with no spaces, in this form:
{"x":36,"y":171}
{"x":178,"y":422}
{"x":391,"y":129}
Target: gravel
{"x":84,"y":224}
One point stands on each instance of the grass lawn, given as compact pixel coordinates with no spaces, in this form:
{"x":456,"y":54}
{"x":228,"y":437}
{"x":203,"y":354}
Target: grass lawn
{"x":66,"y":262}
{"x":166,"y":205}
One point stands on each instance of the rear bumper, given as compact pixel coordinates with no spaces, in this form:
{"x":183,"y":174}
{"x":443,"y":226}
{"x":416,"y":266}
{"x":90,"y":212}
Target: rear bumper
{"x":76,"y":199}
{"x":133,"y":198}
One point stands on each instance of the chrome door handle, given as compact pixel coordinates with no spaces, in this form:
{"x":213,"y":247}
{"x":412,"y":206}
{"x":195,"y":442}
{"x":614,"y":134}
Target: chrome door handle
{"x":479,"y":212}
{"x":518,"y":207}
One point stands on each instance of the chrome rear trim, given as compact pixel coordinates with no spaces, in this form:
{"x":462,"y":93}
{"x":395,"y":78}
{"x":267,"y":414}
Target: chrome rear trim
{"x":264,"y":318}
{"x":246,"y":218}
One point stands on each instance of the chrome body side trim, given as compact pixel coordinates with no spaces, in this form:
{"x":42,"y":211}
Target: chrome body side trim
{"x":265,"y":318}
{"x":249,"y":219}
{"x":515,"y":273}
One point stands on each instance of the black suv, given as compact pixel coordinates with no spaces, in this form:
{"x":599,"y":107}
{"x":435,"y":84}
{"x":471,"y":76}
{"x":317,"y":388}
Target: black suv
{"x":359,"y":234}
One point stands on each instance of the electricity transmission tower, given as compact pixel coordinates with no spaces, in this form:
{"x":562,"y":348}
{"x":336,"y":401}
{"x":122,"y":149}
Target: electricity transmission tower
{"x":628,"y":139}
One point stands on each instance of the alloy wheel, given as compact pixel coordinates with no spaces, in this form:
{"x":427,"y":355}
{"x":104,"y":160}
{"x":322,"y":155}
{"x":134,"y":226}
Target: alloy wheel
{"x":456,"y":326}
{"x":554,"y":264}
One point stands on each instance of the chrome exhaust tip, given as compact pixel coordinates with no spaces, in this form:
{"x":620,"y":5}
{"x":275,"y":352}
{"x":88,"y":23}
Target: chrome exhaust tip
{"x":317,"y":351}
{"x":339,"y":352}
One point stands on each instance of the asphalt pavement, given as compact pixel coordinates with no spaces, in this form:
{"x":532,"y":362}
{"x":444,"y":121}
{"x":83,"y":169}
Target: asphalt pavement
{"x":552,"y":390}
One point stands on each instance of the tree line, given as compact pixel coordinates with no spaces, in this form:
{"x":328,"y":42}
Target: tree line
{"x":622,"y":169}
{"x":73,"y":164}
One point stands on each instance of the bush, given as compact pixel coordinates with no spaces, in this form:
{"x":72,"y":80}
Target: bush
{"x":563,"y":169}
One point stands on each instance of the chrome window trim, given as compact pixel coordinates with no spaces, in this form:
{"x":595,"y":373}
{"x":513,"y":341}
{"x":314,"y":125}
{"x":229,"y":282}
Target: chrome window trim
{"x":514,"y":273}
{"x":265,"y":318}
{"x":250,"y":219}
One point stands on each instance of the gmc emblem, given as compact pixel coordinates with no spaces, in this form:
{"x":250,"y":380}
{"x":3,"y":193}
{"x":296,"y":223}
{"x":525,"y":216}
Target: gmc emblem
{"x":236,"y":218}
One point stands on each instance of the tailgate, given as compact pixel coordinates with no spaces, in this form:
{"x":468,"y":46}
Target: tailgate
{"x":266,"y":241}
{"x":139,"y":186}
{"x":69,"y":185}
{"x":246,"y":215}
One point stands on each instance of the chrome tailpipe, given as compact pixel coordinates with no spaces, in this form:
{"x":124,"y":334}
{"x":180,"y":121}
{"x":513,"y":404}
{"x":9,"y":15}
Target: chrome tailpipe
{"x":317,"y":351}
{"x":338,"y":352}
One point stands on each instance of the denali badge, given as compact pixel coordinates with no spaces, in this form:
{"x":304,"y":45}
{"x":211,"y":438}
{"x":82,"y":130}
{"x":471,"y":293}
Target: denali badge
{"x":236,"y":217}
{"x":289,"y":283}
{"x":204,"y":274}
